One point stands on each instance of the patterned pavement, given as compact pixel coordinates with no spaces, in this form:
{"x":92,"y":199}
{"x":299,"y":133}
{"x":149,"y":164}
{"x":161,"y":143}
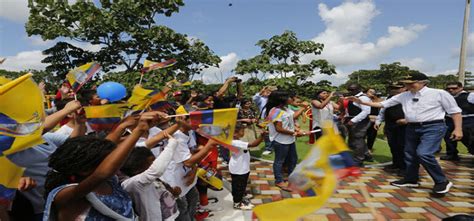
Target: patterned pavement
{"x":393,"y":202}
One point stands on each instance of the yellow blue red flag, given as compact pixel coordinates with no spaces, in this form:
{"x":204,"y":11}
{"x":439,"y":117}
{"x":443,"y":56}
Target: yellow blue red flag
{"x":21,"y":123}
{"x":217,"y":124}
{"x":152,"y":65}
{"x":316,"y":178}
{"x":105,"y":117}
{"x":143,"y":98}
{"x":80,"y":75}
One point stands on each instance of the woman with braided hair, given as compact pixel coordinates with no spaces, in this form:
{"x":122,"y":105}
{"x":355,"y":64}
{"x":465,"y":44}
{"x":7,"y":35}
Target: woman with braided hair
{"x":82,"y":183}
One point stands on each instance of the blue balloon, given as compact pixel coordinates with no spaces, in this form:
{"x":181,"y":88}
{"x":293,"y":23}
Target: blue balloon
{"x":111,"y":91}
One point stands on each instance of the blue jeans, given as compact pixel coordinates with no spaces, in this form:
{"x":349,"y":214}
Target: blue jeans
{"x":284,"y":154}
{"x":421,"y":143}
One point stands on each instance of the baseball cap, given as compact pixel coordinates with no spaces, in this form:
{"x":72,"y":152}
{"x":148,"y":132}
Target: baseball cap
{"x":413,"y":77}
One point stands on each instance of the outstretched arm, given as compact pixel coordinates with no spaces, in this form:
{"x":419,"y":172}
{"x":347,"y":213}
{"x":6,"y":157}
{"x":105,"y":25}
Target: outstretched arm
{"x":159,"y":165}
{"x":52,"y":120}
{"x":200,"y":154}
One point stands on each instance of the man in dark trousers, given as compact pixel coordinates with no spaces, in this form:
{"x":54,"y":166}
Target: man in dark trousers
{"x":395,"y":125}
{"x":357,"y":122}
{"x":465,"y":101}
{"x":424,"y":110}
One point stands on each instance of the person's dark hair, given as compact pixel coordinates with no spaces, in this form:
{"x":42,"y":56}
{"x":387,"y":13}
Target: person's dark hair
{"x":275,"y":99}
{"x":86,"y":96}
{"x":457,"y":83}
{"x":76,"y":155}
{"x":318,"y":92}
{"x":135,"y":161}
{"x":60,"y":104}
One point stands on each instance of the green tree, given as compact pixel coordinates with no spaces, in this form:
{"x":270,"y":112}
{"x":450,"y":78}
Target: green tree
{"x":378,"y":79}
{"x":280,"y":57}
{"x":125,"y":31}
{"x":440,"y":81}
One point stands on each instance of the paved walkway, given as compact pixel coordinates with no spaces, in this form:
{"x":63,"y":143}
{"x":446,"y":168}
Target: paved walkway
{"x":393,"y":202}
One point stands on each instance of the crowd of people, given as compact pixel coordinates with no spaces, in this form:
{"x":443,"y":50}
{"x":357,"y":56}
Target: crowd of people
{"x":145,"y":167}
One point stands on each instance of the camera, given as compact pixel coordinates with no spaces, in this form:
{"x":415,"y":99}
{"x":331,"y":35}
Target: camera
{"x":238,"y":80}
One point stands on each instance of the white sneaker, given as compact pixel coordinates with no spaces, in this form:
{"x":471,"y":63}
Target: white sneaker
{"x":243,"y":206}
{"x":248,"y":196}
{"x":266,"y":152}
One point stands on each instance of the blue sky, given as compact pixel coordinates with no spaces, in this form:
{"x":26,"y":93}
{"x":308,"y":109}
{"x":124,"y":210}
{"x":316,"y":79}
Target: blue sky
{"x":359,"y":34}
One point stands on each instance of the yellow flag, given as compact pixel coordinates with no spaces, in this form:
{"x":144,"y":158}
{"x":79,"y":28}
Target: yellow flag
{"x":316,"y":173}
{"x":21,"y":114}
{"x":11,"y":178}
{"x":217,"y":124}
{"x":143,"y":98}
{"x":21,"y":123}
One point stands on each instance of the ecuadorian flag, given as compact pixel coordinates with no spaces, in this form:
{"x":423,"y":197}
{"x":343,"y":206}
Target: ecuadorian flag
{"x":80,"y":75}
{"x":218,"y":124}
{"x":152,"y":65}
{"x":143,"y":98}
{"x":105,"y":117}
{"x":21,"y":123}
{"x":315,"y":178}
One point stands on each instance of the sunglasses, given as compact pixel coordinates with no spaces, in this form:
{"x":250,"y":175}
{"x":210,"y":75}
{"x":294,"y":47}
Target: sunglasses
{"x":451,"y":88}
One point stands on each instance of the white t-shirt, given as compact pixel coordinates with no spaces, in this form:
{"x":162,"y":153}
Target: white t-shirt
{"x":322,"y":115}
{"x":146,"y":194}
{"x":240,"y":162}
{"x":67,"y":130}
{"x":151,"y":133}
{"x":176,"y":171}
{"x":288,"y":123}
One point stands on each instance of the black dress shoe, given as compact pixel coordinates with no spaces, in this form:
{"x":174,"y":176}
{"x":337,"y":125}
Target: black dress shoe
{"x":450,"y":158}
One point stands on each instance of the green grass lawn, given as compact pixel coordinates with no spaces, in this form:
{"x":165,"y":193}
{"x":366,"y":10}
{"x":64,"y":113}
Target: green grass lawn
{"x":381,"y":150}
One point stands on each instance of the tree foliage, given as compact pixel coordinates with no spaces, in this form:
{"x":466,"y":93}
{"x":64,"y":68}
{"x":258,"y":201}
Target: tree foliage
{"x":281,"y":55}
{"x":125,"y":31}
{"x":390,"y":73}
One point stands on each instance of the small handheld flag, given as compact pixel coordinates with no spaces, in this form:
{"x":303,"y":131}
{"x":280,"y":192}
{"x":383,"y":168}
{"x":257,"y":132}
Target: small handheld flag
{"x":80,"y":75}
{"x":105,"y":117}
{"x":218,"y":124}
{"x":151,"y":65}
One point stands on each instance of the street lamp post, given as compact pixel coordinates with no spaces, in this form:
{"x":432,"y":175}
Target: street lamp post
{"x":462,"y":56}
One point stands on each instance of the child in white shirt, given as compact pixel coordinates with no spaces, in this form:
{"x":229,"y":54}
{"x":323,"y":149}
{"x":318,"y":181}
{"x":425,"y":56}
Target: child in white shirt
{"x":239,"y":167}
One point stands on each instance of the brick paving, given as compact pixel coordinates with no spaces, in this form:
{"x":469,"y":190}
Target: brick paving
{"x":347,"y":203}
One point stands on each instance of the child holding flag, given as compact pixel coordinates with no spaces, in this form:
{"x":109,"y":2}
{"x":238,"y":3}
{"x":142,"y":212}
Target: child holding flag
{"x":239,"y":167}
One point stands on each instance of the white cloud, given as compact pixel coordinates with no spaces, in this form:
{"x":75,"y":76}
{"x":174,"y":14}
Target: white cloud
{"x":14,"y":10}
{"x":418,"y":64}
{"x":218,"y":75}
{"x":23,"y":61}
{"x":347,"y":27}
{"x":336,"y":79}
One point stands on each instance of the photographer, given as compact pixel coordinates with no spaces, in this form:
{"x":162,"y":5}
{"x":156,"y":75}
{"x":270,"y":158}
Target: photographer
{"x":221,"y":101}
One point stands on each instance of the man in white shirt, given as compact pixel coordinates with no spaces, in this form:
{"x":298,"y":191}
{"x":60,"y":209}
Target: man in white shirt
{"x":357,"y":122}
{"x":424,"y":110}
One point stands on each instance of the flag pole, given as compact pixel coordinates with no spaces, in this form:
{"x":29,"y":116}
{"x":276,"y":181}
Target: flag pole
{"x":177,"y":115}
{"x":141,"y":78}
